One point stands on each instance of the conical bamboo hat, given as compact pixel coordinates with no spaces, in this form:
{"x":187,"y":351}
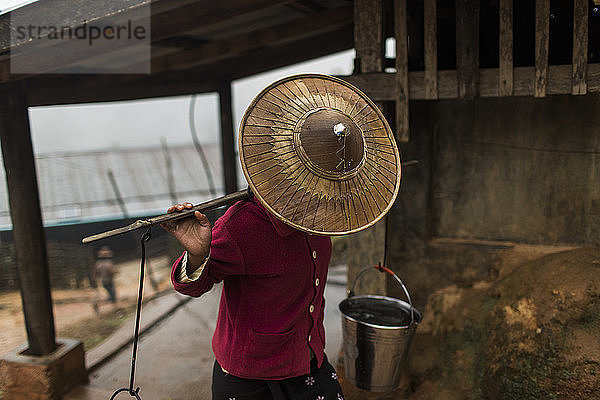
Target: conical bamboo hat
{"x":319,"y":155}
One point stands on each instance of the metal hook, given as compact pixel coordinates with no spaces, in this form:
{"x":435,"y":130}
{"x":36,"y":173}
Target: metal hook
{"x":132,"y":393}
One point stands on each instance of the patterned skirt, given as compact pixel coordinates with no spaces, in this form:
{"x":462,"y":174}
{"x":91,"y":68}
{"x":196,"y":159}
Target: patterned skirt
{"x":319,"y":384}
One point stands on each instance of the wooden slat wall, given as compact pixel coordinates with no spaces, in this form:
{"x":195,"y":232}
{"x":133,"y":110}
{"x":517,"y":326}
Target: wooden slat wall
{"x":380,"y":87}
{"x":468,"y":80}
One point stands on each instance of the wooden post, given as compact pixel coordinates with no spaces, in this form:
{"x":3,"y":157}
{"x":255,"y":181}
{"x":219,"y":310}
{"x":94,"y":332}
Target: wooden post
{"x":368,"y":247}
{"x":368,"y":35}
{"x":505,"y":70}
{"x":227,"y":138}
{"x":430,"y":37}
{"x":580,"y":46}
{"x":467,"y":48}
{"x":400,"y":31}
{"x":28,"y":231}
{"x":542,"y":41}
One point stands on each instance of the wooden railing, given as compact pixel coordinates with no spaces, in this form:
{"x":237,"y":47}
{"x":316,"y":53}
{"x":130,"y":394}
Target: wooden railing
{"x":469,"y":81}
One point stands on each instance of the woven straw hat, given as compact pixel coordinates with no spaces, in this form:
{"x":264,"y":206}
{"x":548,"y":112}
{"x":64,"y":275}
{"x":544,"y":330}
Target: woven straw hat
{"x":319,"y":155}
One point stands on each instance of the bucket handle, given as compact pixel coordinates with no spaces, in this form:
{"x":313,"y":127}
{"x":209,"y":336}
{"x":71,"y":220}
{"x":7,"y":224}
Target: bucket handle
{"x":381,"y":268}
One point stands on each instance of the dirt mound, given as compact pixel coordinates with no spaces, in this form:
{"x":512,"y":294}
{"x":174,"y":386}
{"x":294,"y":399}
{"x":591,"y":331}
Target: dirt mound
{"x":532,"y":334}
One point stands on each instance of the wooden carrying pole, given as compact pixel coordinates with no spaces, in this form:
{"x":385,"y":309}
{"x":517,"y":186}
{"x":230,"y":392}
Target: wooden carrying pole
{"x":145,"y":223}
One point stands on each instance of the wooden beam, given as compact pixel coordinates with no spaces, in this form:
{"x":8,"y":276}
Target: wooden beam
{"x":400,"y":31}
{"x":198,"y":17}
{"x":202,"y":15}
{"x":505,"y":76}
{"x":30,"y":57}
{"x":28,"y":231}
{"x":71,"y":89}
{"x":62,"y":13}
{"x":227,"y":138}
{"x":316,"y":24}
{"x":467,"y":48}
{"x":276,"y":57}
{"x":306,"y":6}
{"x":430,"y":37}
{"x":380,"y":86}
{"x":580,"y":46}
{"x":542,"y":41}
{"x":368,"y":35}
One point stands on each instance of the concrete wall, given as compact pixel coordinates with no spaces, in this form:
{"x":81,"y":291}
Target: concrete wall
{"x":493,"y":172}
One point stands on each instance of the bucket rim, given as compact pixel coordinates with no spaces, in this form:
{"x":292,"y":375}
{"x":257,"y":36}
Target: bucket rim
{"x":411,"y":324}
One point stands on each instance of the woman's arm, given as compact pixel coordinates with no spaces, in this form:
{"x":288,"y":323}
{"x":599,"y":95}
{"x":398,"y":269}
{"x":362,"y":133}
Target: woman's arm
{"x":211,"y":253}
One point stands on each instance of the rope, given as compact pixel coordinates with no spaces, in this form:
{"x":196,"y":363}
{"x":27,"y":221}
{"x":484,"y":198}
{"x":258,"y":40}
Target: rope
{"x":136,"y":337}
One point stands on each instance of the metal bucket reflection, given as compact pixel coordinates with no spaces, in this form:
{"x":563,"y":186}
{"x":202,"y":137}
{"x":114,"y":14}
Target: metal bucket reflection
{"x":377,"y":331}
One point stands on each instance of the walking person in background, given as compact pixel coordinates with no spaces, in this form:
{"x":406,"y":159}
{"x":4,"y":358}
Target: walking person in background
{"x":105,"y":271}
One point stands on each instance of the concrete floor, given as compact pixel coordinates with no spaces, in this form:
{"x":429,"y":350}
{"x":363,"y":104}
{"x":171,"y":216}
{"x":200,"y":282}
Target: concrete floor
{"x":175,"y":359}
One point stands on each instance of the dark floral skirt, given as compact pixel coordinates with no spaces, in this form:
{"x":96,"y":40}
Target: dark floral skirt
{"x":319,"y":384}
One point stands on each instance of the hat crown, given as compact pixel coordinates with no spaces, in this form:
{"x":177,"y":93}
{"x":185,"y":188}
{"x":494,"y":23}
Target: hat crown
{"x":329,"y":143}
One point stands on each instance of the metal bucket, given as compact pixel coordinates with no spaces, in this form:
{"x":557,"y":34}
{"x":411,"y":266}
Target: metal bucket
{"x":377,"y":331}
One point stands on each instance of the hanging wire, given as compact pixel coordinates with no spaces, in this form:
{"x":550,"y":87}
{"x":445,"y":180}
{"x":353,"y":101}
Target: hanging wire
{"x":199,"y":149}
{"x":341,"y":133}
{"x":136,"y":337}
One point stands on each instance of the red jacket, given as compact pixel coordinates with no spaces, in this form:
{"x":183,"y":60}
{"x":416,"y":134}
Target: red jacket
{"x":272,"y":303}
